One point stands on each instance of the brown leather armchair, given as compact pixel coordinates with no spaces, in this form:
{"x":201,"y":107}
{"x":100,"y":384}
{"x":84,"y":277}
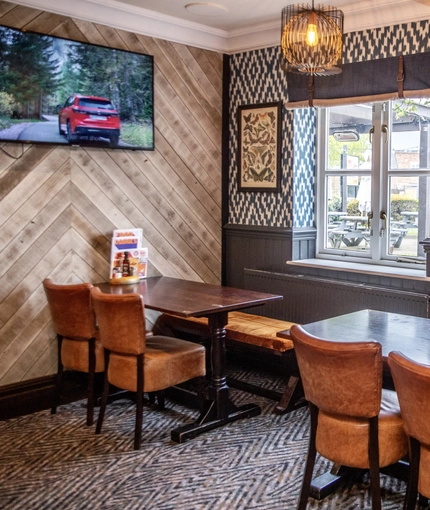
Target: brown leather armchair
{"x":412,"y":383}
{"x":135,"y":363}
{"x":354,"y":422}
{"x":79,"y":346}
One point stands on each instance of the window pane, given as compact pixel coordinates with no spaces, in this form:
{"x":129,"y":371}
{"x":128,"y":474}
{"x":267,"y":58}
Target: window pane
{"x":408,"y":215}
{"x":349,"y":147}
{"x":347,"y":207}
{"x":408,"y":191}
{"x":410,"y":147}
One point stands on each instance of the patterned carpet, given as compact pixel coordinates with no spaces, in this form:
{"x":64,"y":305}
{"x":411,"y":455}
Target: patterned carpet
{"x":56,"y":462}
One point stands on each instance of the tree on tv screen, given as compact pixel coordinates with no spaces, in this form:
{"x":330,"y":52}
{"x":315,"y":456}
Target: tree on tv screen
{"x":30,"y":71}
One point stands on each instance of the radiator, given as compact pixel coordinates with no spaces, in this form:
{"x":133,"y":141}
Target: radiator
{"x":309,"y":298}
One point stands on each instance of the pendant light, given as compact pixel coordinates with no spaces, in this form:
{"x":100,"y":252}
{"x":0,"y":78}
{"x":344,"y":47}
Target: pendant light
{"x":312,"y":39}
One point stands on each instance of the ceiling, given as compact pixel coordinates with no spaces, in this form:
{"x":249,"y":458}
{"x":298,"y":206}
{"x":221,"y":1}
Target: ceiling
{"x":228,"y":26}
{"x":238,"y":14}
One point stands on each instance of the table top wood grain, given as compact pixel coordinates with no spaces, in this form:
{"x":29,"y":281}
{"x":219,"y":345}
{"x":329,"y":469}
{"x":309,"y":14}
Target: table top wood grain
{"x":188,"y":298}
{"x":394,"y":331}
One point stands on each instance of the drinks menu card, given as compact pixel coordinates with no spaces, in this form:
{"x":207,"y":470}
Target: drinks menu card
{"x":128,"y":256}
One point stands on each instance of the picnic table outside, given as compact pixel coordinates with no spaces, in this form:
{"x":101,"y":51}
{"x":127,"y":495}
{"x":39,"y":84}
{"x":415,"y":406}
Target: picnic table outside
{"x":350,"y":230}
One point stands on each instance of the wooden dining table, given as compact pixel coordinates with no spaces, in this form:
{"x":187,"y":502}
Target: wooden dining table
{"x":395,"y":332}
{"x":196,"y":299}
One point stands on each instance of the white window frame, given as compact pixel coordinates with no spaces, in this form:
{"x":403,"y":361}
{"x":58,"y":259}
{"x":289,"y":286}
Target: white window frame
{"x":379,"y":194}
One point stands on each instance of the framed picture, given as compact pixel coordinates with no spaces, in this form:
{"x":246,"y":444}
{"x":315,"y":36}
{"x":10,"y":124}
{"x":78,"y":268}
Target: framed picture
{"x":259,"y":156}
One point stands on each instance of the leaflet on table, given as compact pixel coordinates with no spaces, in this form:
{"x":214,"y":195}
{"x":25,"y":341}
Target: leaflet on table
{"x":128,"y":258}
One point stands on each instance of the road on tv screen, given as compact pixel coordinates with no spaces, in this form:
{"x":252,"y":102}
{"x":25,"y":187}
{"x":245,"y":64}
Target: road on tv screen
{"x":47,"y":132}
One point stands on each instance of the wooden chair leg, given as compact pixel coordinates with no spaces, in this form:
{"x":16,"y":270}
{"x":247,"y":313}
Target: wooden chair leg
{"x":139,"y":403}
{"x":91,"y":375}
{"x":375,"y":484}
{"x":292,"y":398}
{"x":161,"y":400}
{"x":104,"y":395}
{"x":414,"y":466}
{"x":423,"y":501}
{"x":310,"y":461}
{"x":59,"y":378}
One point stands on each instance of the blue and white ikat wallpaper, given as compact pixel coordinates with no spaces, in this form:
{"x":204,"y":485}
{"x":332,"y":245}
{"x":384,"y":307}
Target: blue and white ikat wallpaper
{"x":256,"y":78}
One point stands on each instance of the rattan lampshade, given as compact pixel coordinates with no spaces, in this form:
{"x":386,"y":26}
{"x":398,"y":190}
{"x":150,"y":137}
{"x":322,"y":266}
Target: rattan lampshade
{"x":311,"y":39}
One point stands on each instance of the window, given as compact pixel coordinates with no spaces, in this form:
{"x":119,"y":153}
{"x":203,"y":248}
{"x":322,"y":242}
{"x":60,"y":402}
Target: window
{"x":374,"y":182}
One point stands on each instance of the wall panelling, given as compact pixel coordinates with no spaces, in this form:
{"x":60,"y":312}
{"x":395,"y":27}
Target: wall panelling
{"x":59,"y":204}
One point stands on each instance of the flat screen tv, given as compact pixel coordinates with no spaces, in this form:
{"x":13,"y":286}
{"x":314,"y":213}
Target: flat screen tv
{"x":58,"y":91}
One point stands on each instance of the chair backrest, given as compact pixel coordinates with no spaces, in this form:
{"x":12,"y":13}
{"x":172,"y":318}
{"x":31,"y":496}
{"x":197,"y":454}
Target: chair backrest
{"x":412,"y":383}
{"x":121,"y":321}
{"x":340,"y":377}
{"x":71,"y":310}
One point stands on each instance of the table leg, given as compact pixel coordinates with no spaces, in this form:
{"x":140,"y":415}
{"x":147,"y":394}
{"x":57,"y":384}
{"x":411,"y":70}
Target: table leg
{"x":219,"y":409}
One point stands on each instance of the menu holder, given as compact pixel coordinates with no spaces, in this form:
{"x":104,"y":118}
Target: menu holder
{"x":124,"y":280}
{"x":129,"y":260}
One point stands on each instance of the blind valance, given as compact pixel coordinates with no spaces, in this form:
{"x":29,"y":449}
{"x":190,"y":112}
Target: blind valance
{"x":363,"y":82}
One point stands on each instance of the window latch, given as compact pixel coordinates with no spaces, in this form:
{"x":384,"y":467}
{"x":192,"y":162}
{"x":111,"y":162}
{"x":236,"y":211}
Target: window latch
{"x":369,"y":217}
{"x":384,"y":129}
{"x":383,"y":217}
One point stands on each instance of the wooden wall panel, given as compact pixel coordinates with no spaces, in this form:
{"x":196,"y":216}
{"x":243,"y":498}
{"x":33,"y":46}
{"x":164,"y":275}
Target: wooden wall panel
{"x":59,"y":205}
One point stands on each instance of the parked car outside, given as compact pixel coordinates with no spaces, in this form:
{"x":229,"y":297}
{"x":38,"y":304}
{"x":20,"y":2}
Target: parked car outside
{"x":89,"y":116}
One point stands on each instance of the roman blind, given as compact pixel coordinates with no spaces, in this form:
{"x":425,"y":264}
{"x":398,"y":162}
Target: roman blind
{"x":361,"y":82}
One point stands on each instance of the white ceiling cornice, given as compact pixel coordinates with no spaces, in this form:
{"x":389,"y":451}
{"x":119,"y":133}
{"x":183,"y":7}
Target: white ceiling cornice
{"x":137,"y":20}
{"x":358,"y":16}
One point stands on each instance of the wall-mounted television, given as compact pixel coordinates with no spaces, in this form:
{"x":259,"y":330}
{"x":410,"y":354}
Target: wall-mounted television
{"x":58,"y":91}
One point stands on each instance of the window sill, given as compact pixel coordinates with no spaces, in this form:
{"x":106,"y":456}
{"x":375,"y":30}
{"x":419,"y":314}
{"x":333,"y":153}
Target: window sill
{"x":371,"y":269}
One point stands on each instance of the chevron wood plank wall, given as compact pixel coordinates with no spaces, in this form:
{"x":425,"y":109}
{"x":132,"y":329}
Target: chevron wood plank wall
{"x":59,"y":205}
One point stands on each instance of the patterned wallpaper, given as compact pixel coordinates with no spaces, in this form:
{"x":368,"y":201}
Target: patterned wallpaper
{"x":257,"y":77}
{"x":304,"y":166}
{"x":391,"y":41}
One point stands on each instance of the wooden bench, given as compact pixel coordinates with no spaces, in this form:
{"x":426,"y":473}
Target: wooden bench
{"x":253,"y":333}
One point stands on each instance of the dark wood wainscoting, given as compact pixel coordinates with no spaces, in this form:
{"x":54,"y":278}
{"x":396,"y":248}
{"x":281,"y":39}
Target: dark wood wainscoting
{"x":256,"y":247}
{"x":256,"y":259}
{"x":264,"y":248}
{"x":308,"y":298}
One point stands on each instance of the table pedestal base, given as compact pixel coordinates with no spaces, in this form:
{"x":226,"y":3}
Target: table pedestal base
{"x":207,"y":421}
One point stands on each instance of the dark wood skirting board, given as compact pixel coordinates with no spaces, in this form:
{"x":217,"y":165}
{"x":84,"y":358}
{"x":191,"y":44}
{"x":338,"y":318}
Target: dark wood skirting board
{"x":35,"y":395}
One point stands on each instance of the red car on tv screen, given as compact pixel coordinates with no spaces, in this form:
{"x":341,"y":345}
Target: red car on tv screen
{"x":89,"y":116}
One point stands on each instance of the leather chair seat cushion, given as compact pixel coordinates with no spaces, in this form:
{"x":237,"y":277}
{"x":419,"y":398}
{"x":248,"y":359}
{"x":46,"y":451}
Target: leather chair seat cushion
{"x":74,"y":354}
{"x":424,"y":474}
{"x":242,"y":327}
{"x":344,"y":439}
{"x":168,"y":361}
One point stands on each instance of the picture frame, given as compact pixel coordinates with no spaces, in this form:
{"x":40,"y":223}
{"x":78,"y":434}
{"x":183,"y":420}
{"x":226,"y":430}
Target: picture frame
{"x":259,"y":151}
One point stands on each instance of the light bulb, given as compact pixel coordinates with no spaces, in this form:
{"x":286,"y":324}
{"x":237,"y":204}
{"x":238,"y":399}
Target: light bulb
{"x":312,"y":32}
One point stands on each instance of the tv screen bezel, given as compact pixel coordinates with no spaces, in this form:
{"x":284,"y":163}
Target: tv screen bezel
{"x":90,"y":142}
